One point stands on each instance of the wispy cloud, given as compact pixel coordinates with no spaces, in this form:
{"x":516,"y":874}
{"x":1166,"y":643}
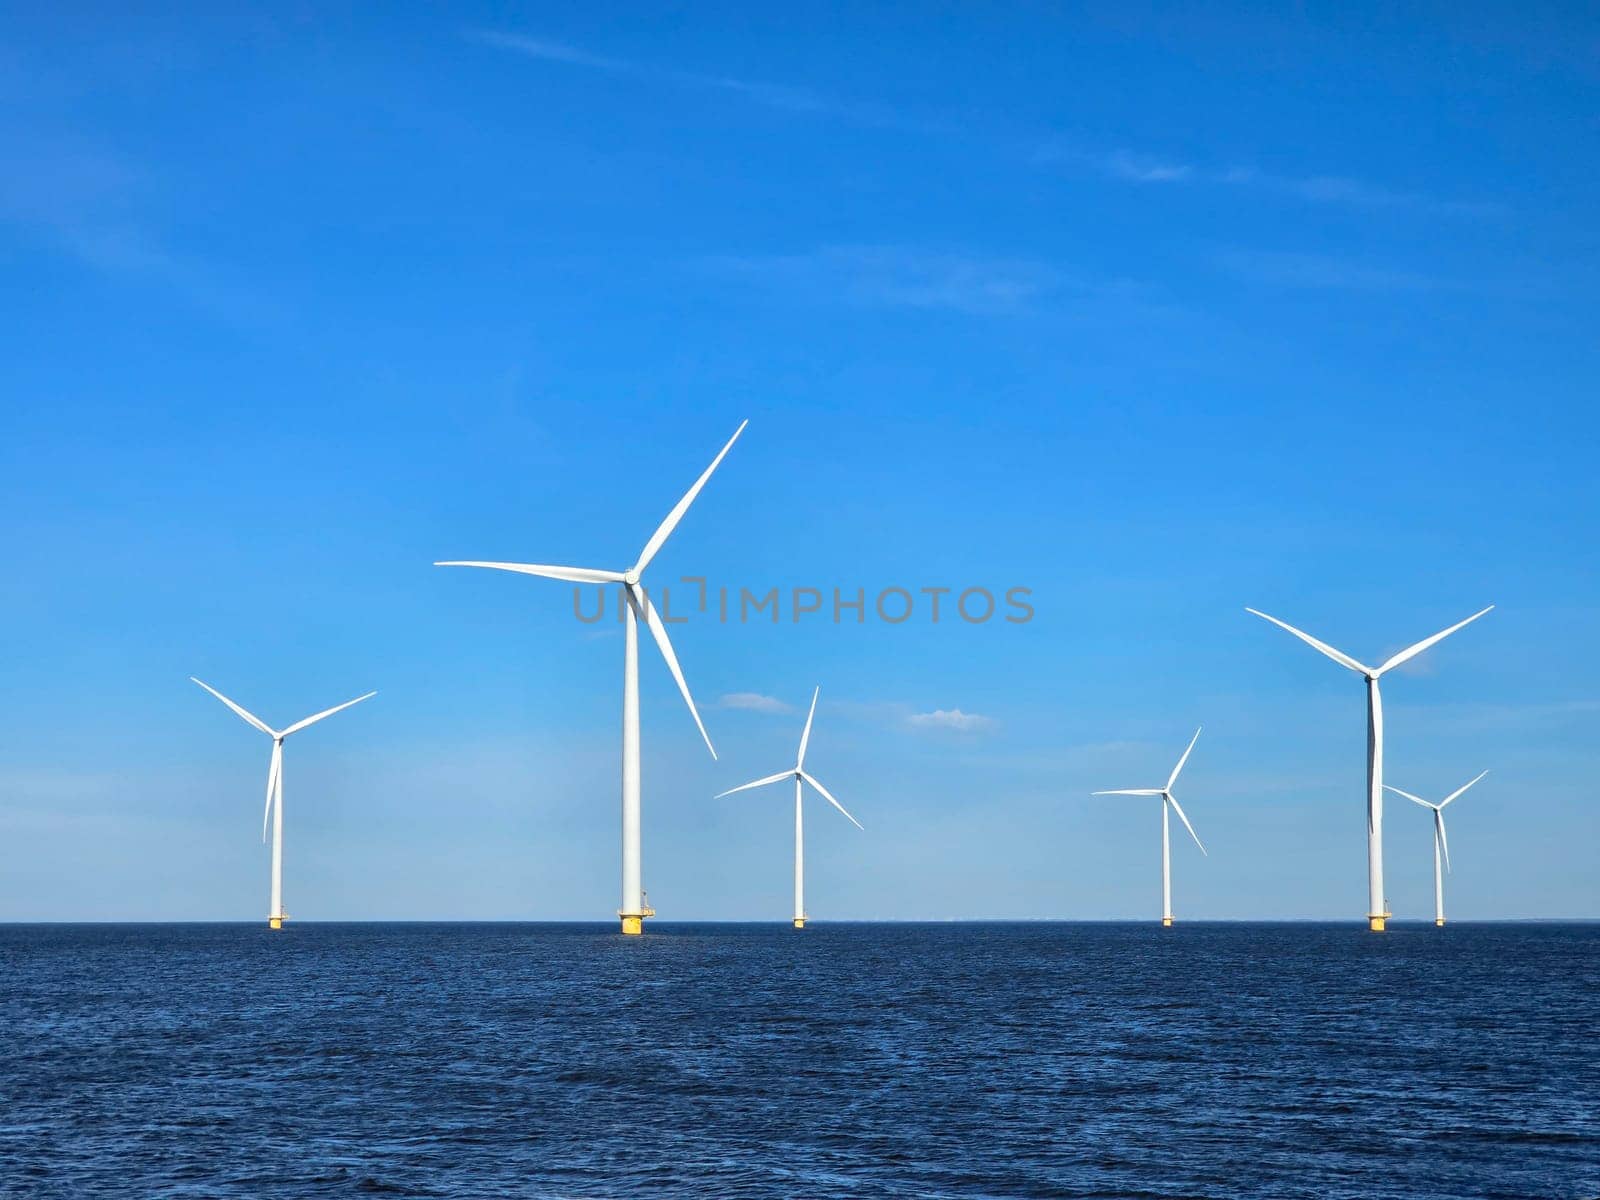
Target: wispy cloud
{"x":951,"y":720}
{"x":897,"y":714}
{"x":1133,"y":167}
{"x":551,"y":51}
{"x":784,"y":97}
{"x":1336,"y":189}
{"x":900,"y":277}
{"x":753,"y":702}
{"x":1475,"y":718}
{"x":87,"y":204}
{"x":1137,"y":168}
{"x":77,"y":196}
{"x":1326,"y":271}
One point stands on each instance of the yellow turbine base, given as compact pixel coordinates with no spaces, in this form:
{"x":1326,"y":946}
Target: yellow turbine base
{"x":1375,"y":924}
{"x":1439,"y":921}
{"x":1166,"y":922}
{"x":274,"y":922}
{"x":799,"y":922}
{"x":633,"y":926}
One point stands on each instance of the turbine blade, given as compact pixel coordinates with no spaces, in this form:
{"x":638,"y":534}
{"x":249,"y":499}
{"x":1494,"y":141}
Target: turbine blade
{"x":273,"y":772}
{"x":1130,"y":792}
{"x":1411,"y":652}
{"x":1174,"y":777}
{"x":250,"y":717}
{"x":643,"y":607}
{"x":745,"y":787}
{"x":1459,"y":790}
{"x":828,"y":796}
{"x":1178,"y":808}
{"x":805,"y":736}
{"x":1338,"y":656}
{"x":569,"y":574}
{"x":1444,"y":840}
{"x":664,"y":530}
{"x":1409,"y":796}
{"x":327,"y":712}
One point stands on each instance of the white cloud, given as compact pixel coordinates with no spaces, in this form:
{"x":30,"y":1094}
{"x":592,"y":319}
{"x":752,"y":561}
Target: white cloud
{"x":902,"y":277}
{"x":1134,"y":167}
{"x":1126,"y":165}
{"x":1325,"y":271}
{"x":951,"y":719}
{"x":753,"y":702}
{"x":97,"y":209}
{"x":551,"y":51}
{"x":1129,"y":165}
{"x":771,"y":95}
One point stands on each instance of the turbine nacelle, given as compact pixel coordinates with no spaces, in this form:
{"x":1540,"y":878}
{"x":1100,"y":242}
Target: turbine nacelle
{"x":798,"y":771}
{"x":1438,"y":812}
{"x":278,"y":736}
{"x":1166,"y":792}
{"x":1377,"y":905}
{"x":638,"y":599}
{"x":1371,"y":674}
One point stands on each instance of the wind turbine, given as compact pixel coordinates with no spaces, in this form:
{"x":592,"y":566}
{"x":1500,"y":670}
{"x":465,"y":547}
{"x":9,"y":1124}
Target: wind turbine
{"x":1168,"y":800}
{"x":1377,"y":909}
{"x":638,"y":608}
{"x":274,"y":805}
{"x":799,"y":775}
{"x":1441,"y":844}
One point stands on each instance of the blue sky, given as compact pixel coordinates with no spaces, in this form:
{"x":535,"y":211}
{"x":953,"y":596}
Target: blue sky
{"x":1157,"y":315}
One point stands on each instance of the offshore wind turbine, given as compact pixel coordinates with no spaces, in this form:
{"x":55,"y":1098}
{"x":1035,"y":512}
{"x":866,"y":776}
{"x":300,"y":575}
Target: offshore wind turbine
{"x":274,"y":806}
{"x":1168,"y":800}
{"x":1377,"y":908}
{"x":638,"y":608}
{"x":1441,"y":844}
{"x":800,"y":777}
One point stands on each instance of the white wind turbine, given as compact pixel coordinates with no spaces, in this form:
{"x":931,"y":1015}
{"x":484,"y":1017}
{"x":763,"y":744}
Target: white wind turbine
{"x":274,"y":806}
{"x":799,"y":775}
{"x":638,"y":607}
{"x":1377,"y":910}
{"x":1168,"y":800}
{"x":1441,"y":844}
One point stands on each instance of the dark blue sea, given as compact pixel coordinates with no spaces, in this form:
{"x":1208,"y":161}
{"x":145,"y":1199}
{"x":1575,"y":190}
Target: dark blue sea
{"x":964,"y":1060}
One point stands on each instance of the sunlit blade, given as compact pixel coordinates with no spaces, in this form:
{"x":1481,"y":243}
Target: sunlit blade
{"x":1409,"y":796}
{"x":1173,"y":778}
{"x":1177,"y":808}
{"x":1338,"y":656}
{"x":252,"y":718}
{"x":1444,"y":841}
{"x":1459,"y":790}
{"x":1129,"y":792}
{"x":828,"y":796}
{"x":1412,"y":651}
{"x":570,"y":574}
{"x":327,"y":712}
{"x":664,"y":530}
{"x":273,"y":772}
{"x":805,"y":735}
{"x":642,"y":607}
{"x":745,"y":787}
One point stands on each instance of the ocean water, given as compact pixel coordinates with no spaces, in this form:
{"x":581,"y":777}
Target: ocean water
{"x":964,"y":1060}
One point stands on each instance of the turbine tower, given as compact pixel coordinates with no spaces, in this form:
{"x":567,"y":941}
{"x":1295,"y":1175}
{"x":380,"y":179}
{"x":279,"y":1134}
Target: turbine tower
{"x":1441,"y":844}
{"x":638,"y":608}
{"x":798,"y":774}
{"x":1377,"y":909}
{"x":1168,"y":800}
{"x":274,"y":807}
